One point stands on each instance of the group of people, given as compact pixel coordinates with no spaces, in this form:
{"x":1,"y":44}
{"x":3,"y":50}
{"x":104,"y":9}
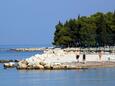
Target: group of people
{"x":84,"y":56}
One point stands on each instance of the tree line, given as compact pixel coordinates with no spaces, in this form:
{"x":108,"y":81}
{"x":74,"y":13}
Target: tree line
{"x":86,"y":31}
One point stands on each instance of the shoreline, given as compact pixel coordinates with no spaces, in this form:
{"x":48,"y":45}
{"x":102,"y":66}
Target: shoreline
{"x":59,"y":59}
{"x":67,"y":66}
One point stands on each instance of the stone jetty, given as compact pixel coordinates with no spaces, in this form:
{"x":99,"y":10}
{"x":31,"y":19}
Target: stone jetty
{"x":54,"y":59}
{"x":28,"y":49}
{"x":7,"y":61}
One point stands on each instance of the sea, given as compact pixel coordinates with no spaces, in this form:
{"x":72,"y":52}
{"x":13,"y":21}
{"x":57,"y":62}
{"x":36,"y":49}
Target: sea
{"x":82,"y":77}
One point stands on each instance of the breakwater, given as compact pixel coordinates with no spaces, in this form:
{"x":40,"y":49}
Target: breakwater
{"x":63,"y":59}
{"x":111,"y":49}
{"x":67,"y":65}
{"x":7,"y":61}
{"x":27,"y":49}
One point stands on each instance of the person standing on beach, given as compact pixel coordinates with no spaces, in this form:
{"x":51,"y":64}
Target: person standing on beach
{"x":84,"y":57}
{"x":77,"y":55}
{"x":100,"y":55}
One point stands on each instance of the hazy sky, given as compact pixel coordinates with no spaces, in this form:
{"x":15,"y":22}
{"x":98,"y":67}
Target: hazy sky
{"x":33,"y":21}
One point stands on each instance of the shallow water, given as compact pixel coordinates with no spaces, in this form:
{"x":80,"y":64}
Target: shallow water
{"x":89,"y":77}
{"x":6,"y":54}
{"x":17,"y":55}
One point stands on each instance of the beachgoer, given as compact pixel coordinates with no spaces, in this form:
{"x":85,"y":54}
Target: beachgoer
{"x":77,"y":55}
{"x":84,"y":58}
{"x":100,"y":55}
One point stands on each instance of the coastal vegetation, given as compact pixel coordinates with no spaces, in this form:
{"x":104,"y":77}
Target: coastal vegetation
{"x":97,"y":30}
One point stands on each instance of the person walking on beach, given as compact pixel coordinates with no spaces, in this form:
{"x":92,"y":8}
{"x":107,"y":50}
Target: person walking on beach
{"x":77,"y":55}
{"x":100,"y":55}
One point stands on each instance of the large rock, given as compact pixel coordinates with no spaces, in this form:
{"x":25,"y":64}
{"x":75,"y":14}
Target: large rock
{"x":48,"y":66}
{"x":9,"y":65}
{"x":42,"y":63}
{"x":54,"y":66}
{"x":22,"y":64}
{"x":58,"y":66}
{"x":38,"y":66}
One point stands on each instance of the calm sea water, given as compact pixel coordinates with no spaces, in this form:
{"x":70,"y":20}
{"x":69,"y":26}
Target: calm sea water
{"x":4,"y":54}
{"x":89,"y":77}
{"x":17,"y":55}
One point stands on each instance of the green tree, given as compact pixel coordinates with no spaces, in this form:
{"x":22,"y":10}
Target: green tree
{"x":113,"y":28}
{"x":97,"y":29}
{"x":87,"y":32}
{"x":102,"y":30}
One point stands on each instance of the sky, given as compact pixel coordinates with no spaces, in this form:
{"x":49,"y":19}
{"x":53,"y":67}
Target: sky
{"x":32,"y":22}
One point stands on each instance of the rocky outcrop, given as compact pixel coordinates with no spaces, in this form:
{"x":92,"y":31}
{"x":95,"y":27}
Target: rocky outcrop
{"x":60,"y":59}
{"x":9,"y":65}
{"x":65,"y":66}
{"x":22,"y":64}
